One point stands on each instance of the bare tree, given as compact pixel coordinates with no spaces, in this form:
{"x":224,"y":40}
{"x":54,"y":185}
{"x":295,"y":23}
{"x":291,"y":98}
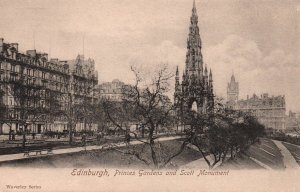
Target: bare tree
{"x":147,"y":105}
{"x":79,"y":107}
{"x":221,"y":131}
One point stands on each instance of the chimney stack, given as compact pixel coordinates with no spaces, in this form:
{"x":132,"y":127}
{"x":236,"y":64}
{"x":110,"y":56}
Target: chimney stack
{"x":1,"y":44}
{"x":31,"y":53}
{"x":16,"y":46}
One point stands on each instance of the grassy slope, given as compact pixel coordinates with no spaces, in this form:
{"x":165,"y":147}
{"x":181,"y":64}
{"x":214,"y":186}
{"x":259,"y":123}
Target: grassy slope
{"x":262,"y":152}
{"x":268,"y":153}
{"x":240,"y":162}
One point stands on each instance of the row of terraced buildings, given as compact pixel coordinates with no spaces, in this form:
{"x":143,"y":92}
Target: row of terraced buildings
{"x":39,"y":92}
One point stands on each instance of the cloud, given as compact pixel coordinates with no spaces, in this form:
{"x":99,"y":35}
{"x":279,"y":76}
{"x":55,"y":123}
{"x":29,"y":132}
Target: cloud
{"x":166,"y":52}
{"x":279,"y":59}
{"x":146,"y":57}
{"x":276,"y":72}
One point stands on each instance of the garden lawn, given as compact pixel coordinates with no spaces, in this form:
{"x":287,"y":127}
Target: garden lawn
{"x":109,"y":158}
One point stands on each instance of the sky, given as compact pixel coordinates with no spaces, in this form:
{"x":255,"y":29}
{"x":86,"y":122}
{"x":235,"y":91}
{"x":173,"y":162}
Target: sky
{"x":257,"y":40}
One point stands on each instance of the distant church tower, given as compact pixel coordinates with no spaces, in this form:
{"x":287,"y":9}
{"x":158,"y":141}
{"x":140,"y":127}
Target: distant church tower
{"x":196,"y":89}
{"x":232,"y":92}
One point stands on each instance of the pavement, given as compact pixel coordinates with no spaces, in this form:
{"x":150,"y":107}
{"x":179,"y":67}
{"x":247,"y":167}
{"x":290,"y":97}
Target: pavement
{"x":19,"y":156}
{"x":288,"y":159}
{"x":261,"y":163}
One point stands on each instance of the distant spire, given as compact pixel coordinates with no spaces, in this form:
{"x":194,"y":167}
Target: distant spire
{"x":194,"y":7}
{"x":194,"y":18}
{"x":232,"y":77}
{"x":177,"y":76}
{"x":210,"y":79}
{"x":205,"y":70}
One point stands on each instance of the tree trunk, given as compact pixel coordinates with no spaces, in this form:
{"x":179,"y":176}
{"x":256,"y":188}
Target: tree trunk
{"x":206,"y":160}
{"x":224,"y":155}
{"x":24,"y":137}
{"x":152,"y":145}
{"x":70,"y":133}
{"x":154,"y":158}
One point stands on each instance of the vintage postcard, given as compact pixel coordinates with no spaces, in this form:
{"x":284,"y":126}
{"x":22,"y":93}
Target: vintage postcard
{"x":160,"y":95}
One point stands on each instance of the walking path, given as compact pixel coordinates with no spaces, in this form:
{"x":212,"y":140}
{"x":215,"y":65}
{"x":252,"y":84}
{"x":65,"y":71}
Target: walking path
{"x":18,"y":156}
{"x":260,"y":163}
{"x":288,"y":159}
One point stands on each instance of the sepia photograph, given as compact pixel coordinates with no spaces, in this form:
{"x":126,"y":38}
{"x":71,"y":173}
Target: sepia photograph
{"x":160,"y":95}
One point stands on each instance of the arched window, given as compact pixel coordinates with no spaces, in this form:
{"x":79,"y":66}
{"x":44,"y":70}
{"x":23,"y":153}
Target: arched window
{"x":194,"y":106}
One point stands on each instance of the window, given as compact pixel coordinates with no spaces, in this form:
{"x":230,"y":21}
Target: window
{"x":42,"y":104}
{"x":8,"y":65}
{"x":44,"y":84}
{"x":13,"y":68}
{"x":17,"y":68}
{"x":28,"y":72}
{"x":2,"y":65}
{"x":10,"y":101}
{"x":28,"y":81}
{"x":13,"y":77}
{"x":43,"y":75}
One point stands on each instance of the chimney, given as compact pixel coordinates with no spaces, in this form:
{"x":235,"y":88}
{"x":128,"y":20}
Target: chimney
{"x":45,"y":55}
{"x":54,"y":60}
{"x":31,"y":53}
{"x":1,"y":44}
{"x":16,"y":46}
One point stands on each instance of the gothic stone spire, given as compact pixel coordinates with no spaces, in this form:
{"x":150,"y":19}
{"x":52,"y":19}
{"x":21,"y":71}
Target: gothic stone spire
{"x":194,"y":56}
{"x":196,"y":85}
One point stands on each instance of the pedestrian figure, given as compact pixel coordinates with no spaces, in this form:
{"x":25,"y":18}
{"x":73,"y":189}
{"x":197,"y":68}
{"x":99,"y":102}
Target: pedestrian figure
{"x":13,"y":136}
{"x":83,"y":141}
{"x":127,"y":138}
{"x":24,"y":139}
{"x":9,"y":134}
{"x":98,"y":138}
{"x":33,"y":135}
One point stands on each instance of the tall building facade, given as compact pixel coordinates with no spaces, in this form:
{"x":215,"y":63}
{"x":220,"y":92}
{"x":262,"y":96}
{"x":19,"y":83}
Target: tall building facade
{"x":111,"y":90}
{"x":36,"y":91}
{"x":269,"y":110}
{"x":196,"y":88}
{"x":232,"y":92}
{"x":292,"y":122}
